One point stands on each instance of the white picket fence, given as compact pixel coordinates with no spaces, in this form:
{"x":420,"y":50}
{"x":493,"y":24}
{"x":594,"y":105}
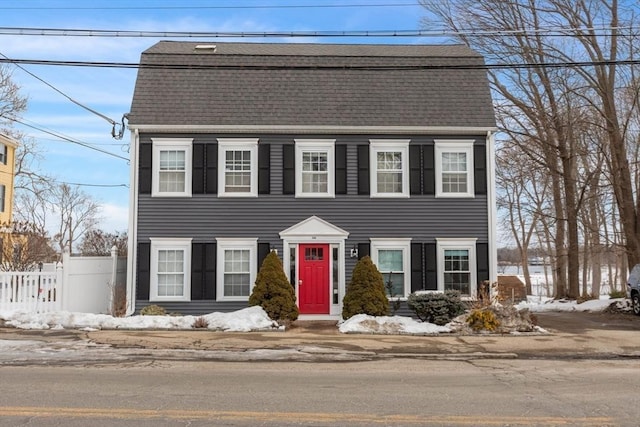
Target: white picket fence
{"x":80,"y":284}
{"x":31,"y":291}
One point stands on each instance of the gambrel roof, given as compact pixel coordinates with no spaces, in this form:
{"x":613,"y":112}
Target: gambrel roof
{"x":258,"y":84}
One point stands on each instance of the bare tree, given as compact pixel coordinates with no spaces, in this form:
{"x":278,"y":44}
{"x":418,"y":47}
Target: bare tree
{"x":12,"y":104}
{"x":98,"y":243}
{"x":550,"y":104}
{"x":23,"y":246}
{"x":77,"y":213}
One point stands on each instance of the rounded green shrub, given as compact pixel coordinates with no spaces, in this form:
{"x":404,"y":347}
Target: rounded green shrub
{"x":153,"y":310}
{"x":365,"y":293}
{"x":273,"y":292}
{"x":436,"y":307}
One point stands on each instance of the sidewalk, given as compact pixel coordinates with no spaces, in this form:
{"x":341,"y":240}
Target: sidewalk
{"x":315,"y":340}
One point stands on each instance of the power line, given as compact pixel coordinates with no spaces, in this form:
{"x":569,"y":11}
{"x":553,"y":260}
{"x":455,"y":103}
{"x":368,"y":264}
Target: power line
{"x":66,"y":138}
{"x":91,"y":110}
{"x":469,"y":66}
{"x":75,"y":32}
{"x":280,"y":6}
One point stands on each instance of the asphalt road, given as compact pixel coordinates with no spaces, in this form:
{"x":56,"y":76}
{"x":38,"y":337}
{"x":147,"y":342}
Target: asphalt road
{"x":578,"y":322}
{"x":389,"y":393}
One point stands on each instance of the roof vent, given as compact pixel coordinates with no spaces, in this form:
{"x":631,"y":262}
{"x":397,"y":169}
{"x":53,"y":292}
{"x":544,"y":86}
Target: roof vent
{"x":206,"y":47}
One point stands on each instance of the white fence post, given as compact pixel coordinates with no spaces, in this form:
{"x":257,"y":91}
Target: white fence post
{"x":113,"y":283}
{"x":59,"y":291}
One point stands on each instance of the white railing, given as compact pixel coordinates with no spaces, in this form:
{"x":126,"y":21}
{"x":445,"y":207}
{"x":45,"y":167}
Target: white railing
{"x":31,"y":291}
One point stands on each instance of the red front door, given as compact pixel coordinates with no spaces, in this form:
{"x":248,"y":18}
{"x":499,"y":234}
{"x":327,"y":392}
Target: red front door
{"x":313,"y":284}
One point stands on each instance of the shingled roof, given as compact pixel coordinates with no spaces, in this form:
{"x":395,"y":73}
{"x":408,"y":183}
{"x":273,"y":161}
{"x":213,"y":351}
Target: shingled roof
{"x":258,"y":84}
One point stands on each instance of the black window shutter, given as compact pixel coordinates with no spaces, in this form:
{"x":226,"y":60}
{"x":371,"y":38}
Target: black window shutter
{"x":482,"y":260}
{"x":363,"y":169}
{"x":264,"y":168}
{"x":144,"y":169}
{"x":415,"y":169}
{"x":288,"y":169}
{"x":364,"y":249}
{"x":197,"y":177}
{"x":211,"y":169}
{"x":197,"y":271}
{"x":210,"y":271}
{"x":341,"y":169}
{"x":144,"y":272}
{"x":431,"y":266}
{"x":417,"y":282}
{"x":263,"y":250}
{"x":480,"y":169}
{"x":428,"y":170}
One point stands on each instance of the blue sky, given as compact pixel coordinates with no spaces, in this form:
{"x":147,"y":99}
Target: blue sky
{"x":109,"y":91}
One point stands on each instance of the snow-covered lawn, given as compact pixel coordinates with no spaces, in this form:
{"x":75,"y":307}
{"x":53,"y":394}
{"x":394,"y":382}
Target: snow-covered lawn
{"x":541,"y":304}
{"x":255,"y":319}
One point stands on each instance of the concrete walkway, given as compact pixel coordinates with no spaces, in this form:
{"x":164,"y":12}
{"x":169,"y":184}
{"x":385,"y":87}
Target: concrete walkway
{"x":571,"y":335}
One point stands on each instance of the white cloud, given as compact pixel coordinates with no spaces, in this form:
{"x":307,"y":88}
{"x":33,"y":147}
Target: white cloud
{"x":114,"y":217}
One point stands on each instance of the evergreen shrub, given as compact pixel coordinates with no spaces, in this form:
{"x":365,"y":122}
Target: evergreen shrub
{"x":365,"y":293}
{"x":437,"y":307}
{"x":273,"y":292}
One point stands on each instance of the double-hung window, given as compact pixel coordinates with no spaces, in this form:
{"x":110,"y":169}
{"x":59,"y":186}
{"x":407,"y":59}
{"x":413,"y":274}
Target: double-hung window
{"x":315,"y":168}
{"x":389,"y":168}
{"x":237,"y":166}
{"x":454,"y":168}
{"x":391,"y":256}
{"x":170,"y":269}
{"x":171,"y":161}
{"x":237,"y":265}
{"x":457,"y":266}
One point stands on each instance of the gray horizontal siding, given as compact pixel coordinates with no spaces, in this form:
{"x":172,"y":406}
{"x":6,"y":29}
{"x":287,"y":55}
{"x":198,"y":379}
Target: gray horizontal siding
{"x":206,"y":216}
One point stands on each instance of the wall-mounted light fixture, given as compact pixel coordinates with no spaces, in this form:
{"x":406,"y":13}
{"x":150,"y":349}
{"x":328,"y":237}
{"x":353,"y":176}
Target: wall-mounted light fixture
{"x":354,"y":252}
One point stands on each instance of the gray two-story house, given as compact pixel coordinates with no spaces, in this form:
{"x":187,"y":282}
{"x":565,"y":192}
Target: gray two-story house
{"x":325,"y":153}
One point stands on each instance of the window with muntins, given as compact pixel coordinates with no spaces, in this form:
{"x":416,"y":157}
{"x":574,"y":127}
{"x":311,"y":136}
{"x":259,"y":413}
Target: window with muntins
{"x":457,"y":266}
{"x":315,"y":168}
{"x":454,"y":169}
{"x":171,"y":167}
{"x":238,"y":165}
{"x":389,"y":168}
{"x":236,"y":268}
{"x":457,"y":275}
{"x":171,"y":266}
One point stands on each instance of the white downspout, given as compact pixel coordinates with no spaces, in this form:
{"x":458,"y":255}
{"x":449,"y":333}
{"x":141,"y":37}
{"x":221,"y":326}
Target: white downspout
{"x":132,"y":247}
{"x":491,"y":205}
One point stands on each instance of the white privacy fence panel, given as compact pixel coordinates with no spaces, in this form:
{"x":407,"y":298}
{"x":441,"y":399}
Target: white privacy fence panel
{"x":79,"y":284}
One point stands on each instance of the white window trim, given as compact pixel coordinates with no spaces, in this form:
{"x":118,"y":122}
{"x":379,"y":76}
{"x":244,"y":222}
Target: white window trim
{"x":454,"y":146}
{"x":158,"y":244}
{"x":162,"y":144}
{"x":458,"y":244}
{"x":394,"y":243}
{"x":224,"y":243}
{"x":325,"y":145}
{"x":377,"y":145}
{"x":237,"y":144}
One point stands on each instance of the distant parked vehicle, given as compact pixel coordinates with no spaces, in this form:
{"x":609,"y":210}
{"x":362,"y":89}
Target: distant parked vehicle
{"x":633,"y":289}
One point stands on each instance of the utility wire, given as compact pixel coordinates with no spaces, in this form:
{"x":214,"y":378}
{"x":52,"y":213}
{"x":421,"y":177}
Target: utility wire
{"x":75,"y":32}
{"x":66,"y":138}
{"x":112,"y":122}
{"x":469,"y":66}
{"x":296,"y":6}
